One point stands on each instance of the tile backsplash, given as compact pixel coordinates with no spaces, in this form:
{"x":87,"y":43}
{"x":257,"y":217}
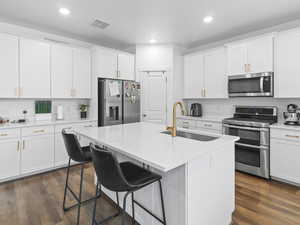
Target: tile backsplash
{"x":12,"y":109}
{"x":225,"y":107}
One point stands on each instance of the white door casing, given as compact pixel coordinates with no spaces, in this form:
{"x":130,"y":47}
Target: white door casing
{"x":154,"y":97}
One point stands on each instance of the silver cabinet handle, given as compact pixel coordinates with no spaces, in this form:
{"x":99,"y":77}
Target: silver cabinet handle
{"x":3,"y":135}
{"x":208,"y":125}
{"x":23,"y":144}
{"x":18,"y":148}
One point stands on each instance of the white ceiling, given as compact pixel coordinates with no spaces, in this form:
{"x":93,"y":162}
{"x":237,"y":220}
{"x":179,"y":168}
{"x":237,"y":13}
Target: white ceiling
{"x":137,"y":21}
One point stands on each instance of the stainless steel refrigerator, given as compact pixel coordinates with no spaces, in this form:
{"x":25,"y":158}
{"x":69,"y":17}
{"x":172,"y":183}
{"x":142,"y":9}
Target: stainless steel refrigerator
{"x":118,"y":102}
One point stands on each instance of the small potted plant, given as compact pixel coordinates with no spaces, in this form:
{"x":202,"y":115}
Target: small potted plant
{"x":83,"y":111}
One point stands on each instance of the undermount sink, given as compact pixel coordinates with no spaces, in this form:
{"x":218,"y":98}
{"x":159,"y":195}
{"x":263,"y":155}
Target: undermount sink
{"x":198,"y":137}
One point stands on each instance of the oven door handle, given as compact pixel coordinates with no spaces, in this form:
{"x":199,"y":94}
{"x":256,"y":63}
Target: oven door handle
{"x":252,"y":146}
{"x":245,"y":128}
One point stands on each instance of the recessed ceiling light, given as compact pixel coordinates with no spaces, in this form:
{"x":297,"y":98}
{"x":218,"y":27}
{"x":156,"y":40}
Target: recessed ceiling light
{"x":208,"y":19}
{"x":64,"y":11}
{"x":153,"y":41}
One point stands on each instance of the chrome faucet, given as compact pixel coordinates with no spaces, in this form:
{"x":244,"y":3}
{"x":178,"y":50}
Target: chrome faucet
{"x":173,"y":129}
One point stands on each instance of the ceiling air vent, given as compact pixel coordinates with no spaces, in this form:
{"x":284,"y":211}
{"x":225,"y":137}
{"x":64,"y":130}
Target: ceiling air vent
{"x":100,"y":24}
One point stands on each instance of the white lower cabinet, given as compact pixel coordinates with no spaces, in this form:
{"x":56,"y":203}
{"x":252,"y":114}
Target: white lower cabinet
{"x":37,"y":153}
{"x":285,"y":155}
{"x":10,"y":158}
{"x":200,"y":125}
{"x":60,"y":153}
{"x":30,"y":150}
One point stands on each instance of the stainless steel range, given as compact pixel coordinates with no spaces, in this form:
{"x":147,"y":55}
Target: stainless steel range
{"x":252,"y":125}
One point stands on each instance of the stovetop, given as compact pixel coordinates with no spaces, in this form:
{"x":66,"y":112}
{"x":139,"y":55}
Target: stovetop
{"x":252,"y":116}
{"x":252,"y":122}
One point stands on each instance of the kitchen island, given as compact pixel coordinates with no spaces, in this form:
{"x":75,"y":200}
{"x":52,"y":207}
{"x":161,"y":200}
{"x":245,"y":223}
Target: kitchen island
{"x":198,"y":176}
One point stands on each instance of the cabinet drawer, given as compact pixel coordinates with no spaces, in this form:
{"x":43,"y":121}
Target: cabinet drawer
{"x":9,"y":133}
{"x":33,"y":131}
{"x":187,"y":124}
{"x":291,"y":135}
{"x":88,"y":124}
{"x":209,"y":125}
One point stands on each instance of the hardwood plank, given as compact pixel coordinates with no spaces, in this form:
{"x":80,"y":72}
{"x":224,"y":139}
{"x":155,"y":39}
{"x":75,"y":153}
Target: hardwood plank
{"x":37,"y":200}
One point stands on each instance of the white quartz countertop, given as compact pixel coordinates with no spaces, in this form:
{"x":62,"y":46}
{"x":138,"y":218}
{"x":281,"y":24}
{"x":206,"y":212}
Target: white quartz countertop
{"x":145,"y":143}
{"x":281,"y":125}
{"x":42,"y":123}
{"x":217,"y":119}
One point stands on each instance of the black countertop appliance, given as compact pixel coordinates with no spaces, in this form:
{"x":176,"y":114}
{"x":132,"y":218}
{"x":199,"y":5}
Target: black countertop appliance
{"x":196,"y":110}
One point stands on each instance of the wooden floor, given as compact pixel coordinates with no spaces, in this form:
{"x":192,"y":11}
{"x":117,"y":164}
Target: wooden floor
{"x":37,"y":200}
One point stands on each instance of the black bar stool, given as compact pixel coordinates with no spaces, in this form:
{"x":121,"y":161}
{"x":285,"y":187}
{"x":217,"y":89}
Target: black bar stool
{"x":83,"y":156}
{"x":122,"y":177}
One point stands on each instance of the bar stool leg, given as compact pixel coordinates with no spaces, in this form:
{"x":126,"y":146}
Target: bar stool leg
{"x":66,"y":186}
{"x":124,"y":208}
{"x":80,"y":193}
{"x":98,"y":193}
{"x":162,"y":203}
{"x":133,"y":210}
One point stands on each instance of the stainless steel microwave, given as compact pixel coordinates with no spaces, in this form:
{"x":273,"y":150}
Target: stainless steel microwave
{"x":251,"y":85}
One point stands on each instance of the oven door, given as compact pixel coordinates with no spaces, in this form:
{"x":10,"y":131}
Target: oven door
{"x":252,"y":159}
{"x":249,"y":135}
{"x":252,"y":152}
{"x":250,"y":85}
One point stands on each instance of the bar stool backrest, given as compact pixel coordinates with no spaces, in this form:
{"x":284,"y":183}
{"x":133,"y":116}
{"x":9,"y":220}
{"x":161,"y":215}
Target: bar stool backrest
{"x":108,"y":170}
{"x":73,"y":147}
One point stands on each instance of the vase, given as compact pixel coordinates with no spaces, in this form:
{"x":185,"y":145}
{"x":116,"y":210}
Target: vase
{"x":83,"y":115}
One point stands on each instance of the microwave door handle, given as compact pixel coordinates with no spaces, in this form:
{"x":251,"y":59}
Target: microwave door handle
{"x":262,"y":84}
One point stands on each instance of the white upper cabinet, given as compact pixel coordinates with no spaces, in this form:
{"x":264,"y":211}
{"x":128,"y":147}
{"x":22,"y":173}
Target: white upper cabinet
{"x":250,"y":56}
{"x":236,"y":59}
{"x":215,"y":74}
{"x":106,"y":63}
{"x":62,"y":71}
{"x":193,"y":76}
{"x":205,"y":74}
{"x":287,"y":66}
{"x":126,"y":66}
{"x":34,"y":69}
{"x":9,"y":69}
{"x":81,"y":73}
{"x":112,"y":64}
{"x":260,"y":55}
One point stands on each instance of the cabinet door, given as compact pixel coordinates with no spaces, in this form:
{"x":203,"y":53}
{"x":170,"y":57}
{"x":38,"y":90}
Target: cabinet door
{"x":193,"y":76}
{"x":105,"y":63}
{"x":82,"y":73}
{"x":287,"y":66}
{"x":237,"y":59}
{"x":37,"y":153}
{"x":34,"y":69}
{"x":9,"y":69}
{"x":10,"y":158}
{"x":126,"y":67}
{"x":60,"y":155}
{"x":260,"y":55}
{"x":215,"y":74}
{"x":285,"y":160}
{"x":62,"y":71}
